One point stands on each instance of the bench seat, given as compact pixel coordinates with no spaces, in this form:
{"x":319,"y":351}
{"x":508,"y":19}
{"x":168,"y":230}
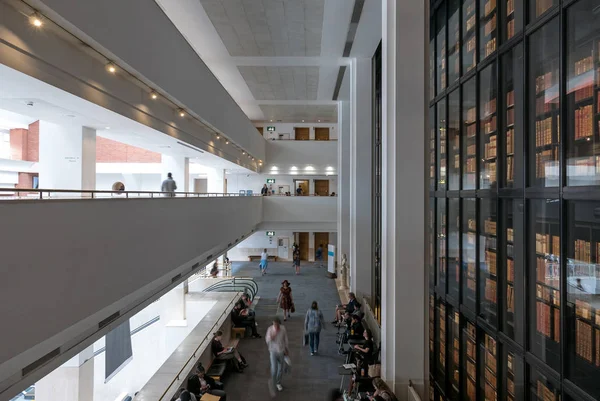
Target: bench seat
{"x":270,"y":258}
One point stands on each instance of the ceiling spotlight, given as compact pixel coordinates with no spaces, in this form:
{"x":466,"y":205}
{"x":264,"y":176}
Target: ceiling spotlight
{"x":243,"y":152}
{"x":260,"y":163}
{"x":218,"y":136}
{"x":227,"y":142}
{"x":271,"y":120}
{"x":319,"y":121}
{"x":302,"y":120}
{"x":153,"y":95}
{"x":36,"y":20}
{"x":181,"y":113}
{"x":110,"y":67}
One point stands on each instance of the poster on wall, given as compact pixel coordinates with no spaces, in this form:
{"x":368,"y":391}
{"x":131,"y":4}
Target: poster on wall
{"x":331,"y":259}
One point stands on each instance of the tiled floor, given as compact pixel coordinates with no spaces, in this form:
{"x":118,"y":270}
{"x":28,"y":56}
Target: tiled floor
{"x":312,"y":376}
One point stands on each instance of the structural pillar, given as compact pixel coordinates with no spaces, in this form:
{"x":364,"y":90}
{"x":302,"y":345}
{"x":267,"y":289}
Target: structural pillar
{"x":361,"y":258}
{"x":67,"y":156}
{"x":404,"y":59}
{"x":173,"y":308}
{"x":179,"y":167}
{"x":73,"y":381}
{"x":343,"y":190}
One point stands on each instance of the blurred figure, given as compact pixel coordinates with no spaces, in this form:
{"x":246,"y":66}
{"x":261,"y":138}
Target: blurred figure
{"x":264,"y":190}
{"x":277,"y":341}
{"x":169,"y":186}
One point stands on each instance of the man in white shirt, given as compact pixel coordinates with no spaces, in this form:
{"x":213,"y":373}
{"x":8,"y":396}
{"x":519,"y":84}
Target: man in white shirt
{"x":264,"y":256}
{"x":277,"y":340}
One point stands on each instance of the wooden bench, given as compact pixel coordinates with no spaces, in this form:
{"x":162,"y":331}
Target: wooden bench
{"x":270,"y":258}
{"x":217,"y":368}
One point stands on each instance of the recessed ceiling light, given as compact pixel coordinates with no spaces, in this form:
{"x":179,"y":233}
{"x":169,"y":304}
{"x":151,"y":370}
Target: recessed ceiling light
{"x":218,"y":136}
{"x":181,"y":113}
{"x":302,"y":120}
{"x":318,"y":120}
{"x":36,"y":20}
{"x":153,"y":95}
{"x":227,"y":142}
{"x":271,"y":120}
{"x":110,"y":67}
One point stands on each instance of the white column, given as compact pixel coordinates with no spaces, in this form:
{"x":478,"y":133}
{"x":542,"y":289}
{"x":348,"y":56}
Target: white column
{"x":215,"y":180}
{"x":343,"y":190}
{"x":360,"y":177}
{"x":73,"y":381}
{"x":67,"y":156}
{"x":173,"y":307}
{"x":180,"y":168}
{"x":404,"y":200}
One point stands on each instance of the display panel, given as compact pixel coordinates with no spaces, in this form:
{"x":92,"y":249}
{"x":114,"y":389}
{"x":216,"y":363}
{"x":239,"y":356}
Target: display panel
{"x":488,"y":254}
{"x":544,"y":106}
{"x":488,"y":28}
{"x":454,"y":140}
{"x":469,"y":35}
{"x":454,"y":355}
{"x":541,"y":387}
{"x":539,"y":7}
{"x":513,"y":377}
{"x":583,"y":295}
{"x":432,"y":140}
{"x":512,"y":18}
{"x":442,"y":144}
{"x":544,"y":273}
{"x":469,"y":134}
{"x":583,"y":64}
{"x":453,"y":41}
{"x":441,"y":243}
{"x":512,"y":124}
{"x":440,"y":43}
{"x":469,"y":253}
{"x":454,"y":247}
{"x":512,"y":211}
{"x":489,"y":368}
{"x":470,"y":362}
{"x":488,"y":133}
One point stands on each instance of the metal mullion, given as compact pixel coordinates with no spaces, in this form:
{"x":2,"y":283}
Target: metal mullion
{"x":562,"y":136}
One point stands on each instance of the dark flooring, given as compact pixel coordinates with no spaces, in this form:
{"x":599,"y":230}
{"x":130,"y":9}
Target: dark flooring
{"x":311,"y":377}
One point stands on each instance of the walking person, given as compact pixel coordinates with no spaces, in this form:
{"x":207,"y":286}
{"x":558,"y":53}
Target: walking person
{"x":297,"y":261}
{"x":169,"y":186}
{"x":277,"y":341}
{"x":264,"y":190}
{"x":285,"y":299}
{"x":313,"y":324}
{"x":264,"y":262}
{"x":319,"y":255}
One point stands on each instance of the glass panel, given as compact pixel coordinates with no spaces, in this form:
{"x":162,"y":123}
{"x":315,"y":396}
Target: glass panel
{"x":432,"y":365}
{"x":544,"y":102}
{"x":512,"y":268}
{"x":469,"y":250}
{"x":454,"y":139}
{"x":583,"y":47}
{"x":488,"y":126}
{"x":541,"y":388}
{"x":432,"y":242}
{"x":432,"y":139}
{"x":583,"y":295}
{"x":488,"y":25}
{"x":432,"y":91}
{"x":488,"y":274}
{"x":469,"y":38}
{"x":441,"y":240}
{"x":442,"y":144}
{"x":514,"y":386}
{"x":544,"y":271}
{"x":454,"y":355}
{"x":539,"y":7}
{"x":513,"y":18}
{"x":440,"y":33}
{"x":470,"y":364}
{"x":453,"y":247}
{"x":469,"y":134}
{"x":512,"y":95}
{"x":453,"y":41}
{"x":441,"y":355}
{"x":489,"y":368}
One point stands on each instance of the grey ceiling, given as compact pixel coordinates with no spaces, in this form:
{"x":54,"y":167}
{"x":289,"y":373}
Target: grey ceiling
{"x":268,"y":27}
{"x":282,"y":83}
{"x":297,"y":113}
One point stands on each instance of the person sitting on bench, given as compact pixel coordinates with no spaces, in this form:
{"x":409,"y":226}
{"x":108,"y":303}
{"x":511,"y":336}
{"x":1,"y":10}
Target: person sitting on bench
{"x":200,"y":384}
{"x":243,"y":320}
{"x":184,"y":395}
{"x":245,"y":306}
{"x":351,"y":306}
{"x":227,"y":354}
{"x":364,"y":352}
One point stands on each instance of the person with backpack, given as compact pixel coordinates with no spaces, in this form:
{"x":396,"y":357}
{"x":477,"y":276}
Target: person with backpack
{"x":313,"y":324}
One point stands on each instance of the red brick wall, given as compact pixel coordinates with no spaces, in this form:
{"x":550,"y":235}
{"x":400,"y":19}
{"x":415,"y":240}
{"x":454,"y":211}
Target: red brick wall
{"x":33,"y":142}
{"x":25,"y":180}
{"x":109,"y":151}
{"x":18,"y":143}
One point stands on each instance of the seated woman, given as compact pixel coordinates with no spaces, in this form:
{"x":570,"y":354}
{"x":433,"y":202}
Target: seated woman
{"x":364,"y":352}
{"x":201,"y":384}
{"x":227,"y":354}
{"x":382,"y":392}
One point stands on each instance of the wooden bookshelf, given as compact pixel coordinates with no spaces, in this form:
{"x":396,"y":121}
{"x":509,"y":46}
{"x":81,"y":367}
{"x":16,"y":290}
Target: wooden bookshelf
{"x":469,"y":335}
{"x":490,"y":368}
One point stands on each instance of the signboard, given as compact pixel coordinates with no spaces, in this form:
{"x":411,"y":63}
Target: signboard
{"x":270,"y":180}
{"x":270,"y":129}
{"x":270,"y":233}
{"x":331,"y":258}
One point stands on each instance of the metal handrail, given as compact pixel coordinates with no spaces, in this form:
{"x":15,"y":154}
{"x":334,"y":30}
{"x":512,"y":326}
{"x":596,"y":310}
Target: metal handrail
{"x":206,"y":337}
{"x":243,"y":282}
{"x":5,"y":194}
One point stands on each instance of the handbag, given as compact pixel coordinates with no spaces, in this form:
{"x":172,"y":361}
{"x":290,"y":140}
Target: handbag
{"x":293,"y":308}
{"x":375,"y":370}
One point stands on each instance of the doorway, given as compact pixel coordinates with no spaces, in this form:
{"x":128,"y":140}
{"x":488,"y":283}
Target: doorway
{"x":303,"y":245}
{"x":322,"y":187}
{"x":302,"y":184}
{"x":200,"y":185}
{"x":321,"y":134}
{"x":282,"y":248}
{"x":283,"y":189}
{"x":302,"y":134}
{"x":321,"y":238}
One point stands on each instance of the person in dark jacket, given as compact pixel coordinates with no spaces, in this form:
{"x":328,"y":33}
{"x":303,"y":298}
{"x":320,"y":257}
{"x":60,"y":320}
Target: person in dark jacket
{"x":240,"y":319}
{"x":200,"y":384}
{"x":227,"y":354}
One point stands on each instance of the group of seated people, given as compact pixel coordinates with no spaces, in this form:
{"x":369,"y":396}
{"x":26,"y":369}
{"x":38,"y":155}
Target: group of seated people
{"x":243,"y":316}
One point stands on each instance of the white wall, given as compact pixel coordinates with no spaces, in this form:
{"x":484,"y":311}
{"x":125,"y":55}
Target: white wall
{"x":258,"y":241}
{"x":288,"y":128}
{"x":133,"y":182}
{"x":320,"y":157}
{"x":237,"y":182}
{"x":314,"y":209}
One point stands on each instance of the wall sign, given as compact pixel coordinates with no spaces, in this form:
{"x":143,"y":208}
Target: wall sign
{"x":270,"y":233}
{"x":270,"y":180}
{"x":270,"y":129}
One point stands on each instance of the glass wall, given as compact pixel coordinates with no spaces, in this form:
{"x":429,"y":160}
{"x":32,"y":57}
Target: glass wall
{"x":514,"y":171}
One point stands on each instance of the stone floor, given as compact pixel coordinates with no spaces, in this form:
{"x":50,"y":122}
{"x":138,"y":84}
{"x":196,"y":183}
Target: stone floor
{"x":312,"y":376}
